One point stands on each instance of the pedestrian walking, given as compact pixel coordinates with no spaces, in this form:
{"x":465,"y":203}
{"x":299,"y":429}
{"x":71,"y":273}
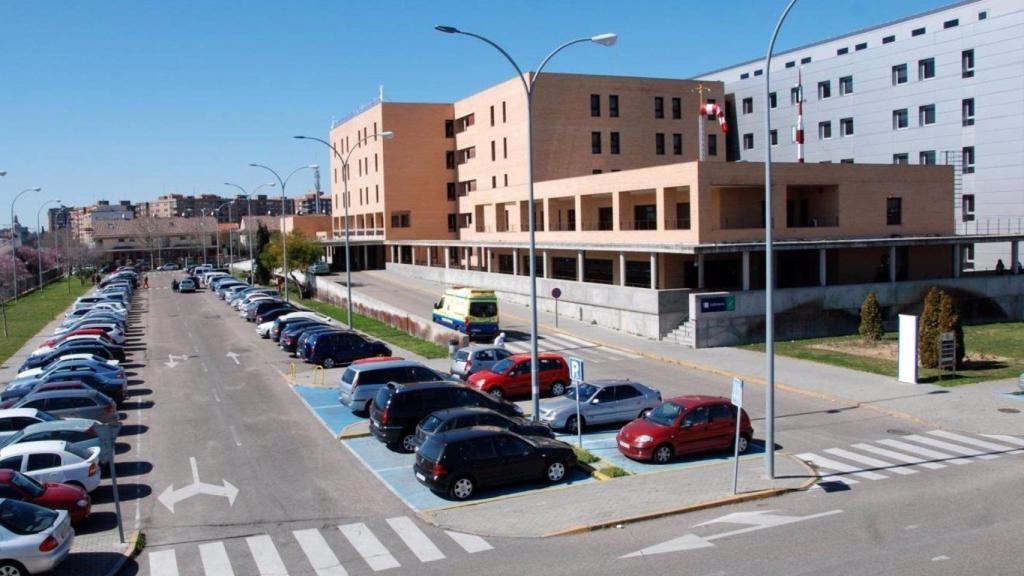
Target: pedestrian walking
{"x":145,"y":281}
{"x":500,"y":340}
{"x":174,"y":285}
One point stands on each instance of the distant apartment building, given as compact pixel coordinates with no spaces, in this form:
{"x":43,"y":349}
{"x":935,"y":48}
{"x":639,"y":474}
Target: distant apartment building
{"x":313,"y":203}
{"x":942,"y":87}
{"x":157,"y":240}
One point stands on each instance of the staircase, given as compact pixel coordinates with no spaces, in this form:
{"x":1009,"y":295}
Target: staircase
{"x":683,"y":335}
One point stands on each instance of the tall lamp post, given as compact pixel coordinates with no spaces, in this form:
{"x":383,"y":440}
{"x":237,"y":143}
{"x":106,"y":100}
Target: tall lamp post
{"x":202,"y":233}
{"x":387,"y":135}
{"x":769,"y":263}
{"x":14,"y":245}
{"x":3,"y":301}
{"x":39,"y":239}
{"x":529,"y":86}
{"x":248,"y":201}
{"x":216,"y":214}
{"x":284,"y":213}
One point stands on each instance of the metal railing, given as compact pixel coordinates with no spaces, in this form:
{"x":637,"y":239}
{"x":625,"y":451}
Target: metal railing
{"x":992,"y":226}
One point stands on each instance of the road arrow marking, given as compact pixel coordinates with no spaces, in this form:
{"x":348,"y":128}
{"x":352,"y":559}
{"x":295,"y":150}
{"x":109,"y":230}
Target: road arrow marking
{"x":169,"y":497}
{"x":171,"y":362}
{"x":758,"y":520}
{"x":233,"y":356}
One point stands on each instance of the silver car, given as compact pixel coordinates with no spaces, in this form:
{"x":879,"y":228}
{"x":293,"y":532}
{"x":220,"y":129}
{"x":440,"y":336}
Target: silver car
{"x":473,"y":359}
{"x":601,"y":402}
{"x":88,"y":404}
{"x":361,"y":380}
{"x":24,"y":528}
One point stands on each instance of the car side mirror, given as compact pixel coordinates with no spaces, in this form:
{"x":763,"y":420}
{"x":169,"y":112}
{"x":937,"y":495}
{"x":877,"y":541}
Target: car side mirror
{"x":595,"y":401}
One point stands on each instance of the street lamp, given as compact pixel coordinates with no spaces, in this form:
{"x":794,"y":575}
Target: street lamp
{"x":14,"y":246}
{"x":248,"y":201}
{"x":202,"y":234}
{"x":39,"y":239}
{"x":387,"y":135}
{"x":216,"y":213}
{"x":529,"y":86}
{"x":769,"y":264}
{"x":284,"y":213}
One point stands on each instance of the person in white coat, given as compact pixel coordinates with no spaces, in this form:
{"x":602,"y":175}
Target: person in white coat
{"x":500,"y":340}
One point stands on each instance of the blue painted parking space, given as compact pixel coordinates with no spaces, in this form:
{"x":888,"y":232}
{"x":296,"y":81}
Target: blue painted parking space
{"x":1014,"y":395}
{"x":603,"y":445}
{"x":324,"y":403}
{"x":395,"y":470}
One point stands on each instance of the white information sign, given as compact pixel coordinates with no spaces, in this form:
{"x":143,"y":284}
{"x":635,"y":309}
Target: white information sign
{"x":908,"y":349}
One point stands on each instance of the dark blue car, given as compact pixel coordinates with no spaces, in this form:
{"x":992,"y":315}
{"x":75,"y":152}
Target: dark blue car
{"x":330,"y":349}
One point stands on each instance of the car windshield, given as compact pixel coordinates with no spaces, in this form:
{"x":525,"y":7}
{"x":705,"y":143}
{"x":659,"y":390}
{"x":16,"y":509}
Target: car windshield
{"x":430,"y":423}
{"x":80,"y":452}
{"x":349,"y":376}
{"x":431,"y":450}
{"x":28,"y":485}
{"x":23,"y":518}
{"x":46,"y":416}
{"x":666,"y":414}
{"x":462,"y":356}
{"x":502,"y":366}
{"x":14,"y":439}
{"x":483,"y":309}
{"x":586,"y":392}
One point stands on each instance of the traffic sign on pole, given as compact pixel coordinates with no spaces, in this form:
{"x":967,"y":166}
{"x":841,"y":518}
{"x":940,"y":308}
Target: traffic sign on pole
{"x":576,"y":375}
{"x":737,"y":401}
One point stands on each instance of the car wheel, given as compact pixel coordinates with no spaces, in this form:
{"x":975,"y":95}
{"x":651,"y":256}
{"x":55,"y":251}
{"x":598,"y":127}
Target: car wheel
{"x":12,"y":568}
{"x":555,"y":472}
{"x":557,"y":389}
{"x":462,"y":488}
{"x":571,"y":424}
{"x":409,"y":443}
{"x":329,"y":362}
{"x":497,"y":392}
{"x":743,"y":444}
{"x":644,"y":413}
{"x":662,"y":454}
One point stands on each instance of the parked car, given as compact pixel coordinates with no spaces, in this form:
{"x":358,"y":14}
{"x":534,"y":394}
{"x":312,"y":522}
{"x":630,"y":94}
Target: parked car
{"x":54,"y":461}
{"x":302,"y":344}
{"x":475,"y":358}
{"x":332,"y":349}
{"x":115,"y":388}
{"x":469,"y":416}
{"x":398,"y":408}
{"x":88,"y":404}
{"x":52,"y":356}
{"x":459,"y":462}
{"x":35,"y":539}
{"x":53,"y":495}
{"x":601,"y":402}
{"x":288,"y":339}
{"x":361,"y":380}
{"x":169,"y":266}
{"x":511,"y":376}
{"x":78,"y":432}
{"x":13,"y":420}
{"x":319,"y":268}
{"x":268,"y":316}
{"x":684,"y":425}
{"x":76,"y":362}
{"x":253,"y":311}
{"x":274,"y":333}
{"x":187,"y":285}
{"x":115,"y":350}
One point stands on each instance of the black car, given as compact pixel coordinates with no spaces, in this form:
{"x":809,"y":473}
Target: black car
{"x":262,"y":306}
{"x":330,"y":349}
{"x":71,"y":347}
{"x":291,"y":327}
{"x":305,"y":334}
{"x":469,"y":416}
{"x":289,"y":340}
{"x":459,"y":462}
{"x":268,"y":315}
{"x":399,"y":408}
{"x":43,"y":360}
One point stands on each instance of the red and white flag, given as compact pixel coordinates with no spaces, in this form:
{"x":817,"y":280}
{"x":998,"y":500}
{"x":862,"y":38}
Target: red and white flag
{"x":712,"y":109}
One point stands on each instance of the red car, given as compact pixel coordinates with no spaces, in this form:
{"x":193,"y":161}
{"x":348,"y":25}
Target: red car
{"x":75,"y":500}
{"x":80,"y":332}
{"x":511,"y":376}
{"x":684,"y":425}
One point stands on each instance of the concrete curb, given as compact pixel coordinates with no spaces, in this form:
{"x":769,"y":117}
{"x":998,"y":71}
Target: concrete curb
{"x":593,"y":472}
{"x":346,"y":435}
{"x":131,"y":548}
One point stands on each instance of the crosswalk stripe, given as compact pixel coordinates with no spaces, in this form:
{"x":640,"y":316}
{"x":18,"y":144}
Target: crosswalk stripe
{"x":950,"y":447}
{"x":1009,"y":439}
{"x":576,"y":342}
{"x":899,"y":457}
{"x":415,"y":539}
{"x":369,"y":547}
{"x":974,"y":442}
{"x":869,"y":461}
{"x":268,"y":562}
{"x":830,"y":464}
{"x":620,"y":353}
{"x":559,"y":343}
{"x":163,"y":563}
{"x":215,"y":559}
{"x":922,"y":451}
{"x":518,"y":347}
{"x":469,"y":542}
{"x":593,"y":356}
{"x":320,"y":556}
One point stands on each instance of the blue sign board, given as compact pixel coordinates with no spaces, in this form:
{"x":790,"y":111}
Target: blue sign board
{"x":576,"y":369}
{"x":718,"y":304}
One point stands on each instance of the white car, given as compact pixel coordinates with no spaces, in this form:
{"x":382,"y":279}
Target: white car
{"x":264,"y":329}
{"x":33,"y":539}
{"x":54,"y":461}
{"x":250,"y":299}
{"x":112,"y":330}
{"x":14,"y":420}
{"x":45,"y":349}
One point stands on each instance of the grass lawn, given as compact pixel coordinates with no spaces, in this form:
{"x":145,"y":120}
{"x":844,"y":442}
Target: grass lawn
{"x":28,"y":316}
{"x":379,"y":330}
{"x":994,"y":352}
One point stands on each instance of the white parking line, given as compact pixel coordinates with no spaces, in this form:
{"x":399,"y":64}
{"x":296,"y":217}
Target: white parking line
{"x":469,"y":542}
{"x":906,"y":458}
{"x":234,"y":435}
{"x":415,"y":539}
{"x":268,"y":561}
{"x":320,"y":556}
{"x":215,"y":559}
{"x":163,"y":563}
{"x":369,"y":547}
{"x":869,"y":461}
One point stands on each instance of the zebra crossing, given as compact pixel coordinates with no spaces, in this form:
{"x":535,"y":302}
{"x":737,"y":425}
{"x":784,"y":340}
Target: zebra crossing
{"x":318,"y":551}
{"x":571,"y":346}
{"x":907,"y":455}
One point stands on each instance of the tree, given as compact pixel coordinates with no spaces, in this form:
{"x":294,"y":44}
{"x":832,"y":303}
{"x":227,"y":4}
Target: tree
{"x":928,"y":336}
{"x":871,"y":319}
{"x":302,"y":251}
{"x":262,"y":273}
{"x":949,"y":321}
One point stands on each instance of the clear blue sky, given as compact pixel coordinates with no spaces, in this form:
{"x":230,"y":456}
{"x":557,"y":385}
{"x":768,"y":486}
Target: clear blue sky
{"x":133,"y":99}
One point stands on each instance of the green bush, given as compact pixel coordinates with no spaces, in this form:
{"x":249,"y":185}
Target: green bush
{"x":871,"y":319}
{"x":584,"y":456}
{"x":928,"y":334}
{"x":949,"y":321}
{"x":614,"y":472}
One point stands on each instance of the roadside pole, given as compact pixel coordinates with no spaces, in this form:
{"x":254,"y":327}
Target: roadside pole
{"x":576,"y":376}
{"x":556,"y":293}
{"x":109,"y":437}
{"x":737,"y":401}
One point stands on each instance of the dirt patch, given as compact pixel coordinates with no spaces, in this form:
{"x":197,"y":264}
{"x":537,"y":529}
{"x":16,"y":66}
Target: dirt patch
{"x":888,"y":350}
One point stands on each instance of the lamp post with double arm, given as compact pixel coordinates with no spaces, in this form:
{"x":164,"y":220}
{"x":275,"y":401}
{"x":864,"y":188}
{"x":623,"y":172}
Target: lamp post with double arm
{"x":216,"y":214}
{"x":14,"y":244}
{"x":248,"y":230}
{"x":284,"y":213}
{"x":387,"y":135}
{"x":39,"y":239}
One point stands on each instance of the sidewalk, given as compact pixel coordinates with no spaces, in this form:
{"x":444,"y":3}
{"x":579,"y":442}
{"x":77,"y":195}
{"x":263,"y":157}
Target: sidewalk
{"x":597,"y":505}
{"x":970,"y":408}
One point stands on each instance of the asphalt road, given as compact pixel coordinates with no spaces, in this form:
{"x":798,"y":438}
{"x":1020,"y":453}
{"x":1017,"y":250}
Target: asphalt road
{"x":307,"y":506}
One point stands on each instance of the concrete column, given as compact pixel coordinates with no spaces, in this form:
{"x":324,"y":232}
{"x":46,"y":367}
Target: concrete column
{"x":546,"y":261}
{"x":746,"y":269}
{"x":515,"y":261}
{"x":654,"y":270}
{"x":447,"y":258}
{"x":580,"y":255}
{"x":578,"y":205}
{"x":822,"y":270}
{"x":366,"y":256}
{"x":487,"y":256}
{"x":466,"y":253}
{"x":659,"y":201}
{"x":700,"y":270}
{"x":1014,"y":256}
{"x":622,"y":268}
{"x":956,"y":260}
{"x":616,"y":211}
{"x":430,"y":256}
{"x":892,"y":264}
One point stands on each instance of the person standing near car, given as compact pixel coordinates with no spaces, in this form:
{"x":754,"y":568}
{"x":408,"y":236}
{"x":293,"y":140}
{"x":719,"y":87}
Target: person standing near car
{"x":500,"y":340}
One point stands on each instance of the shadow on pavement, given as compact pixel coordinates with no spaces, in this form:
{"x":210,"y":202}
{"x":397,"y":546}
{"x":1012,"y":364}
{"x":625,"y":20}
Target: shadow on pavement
{"x":128,"y":491}
{"x":97,"y":522}
{"x":145,"y":405}
{"x":81,"y":563}
{"x":133,"y":429}
{"x":134,"y":392}
{"x":135,"y":468}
